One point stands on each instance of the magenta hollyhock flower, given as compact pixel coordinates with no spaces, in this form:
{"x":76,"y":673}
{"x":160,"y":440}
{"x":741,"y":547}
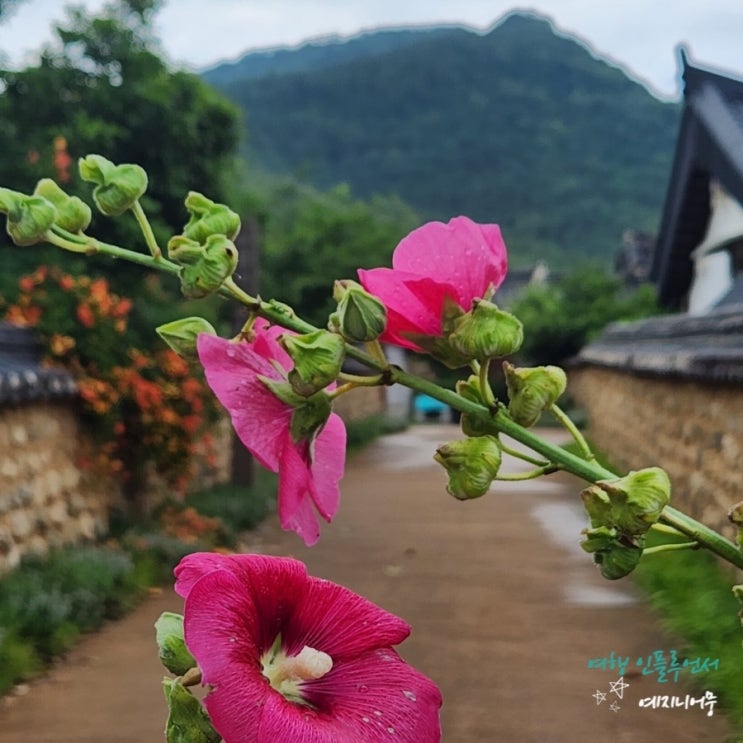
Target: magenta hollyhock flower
{"x":309,"y":468}
{"x":435,"y":265}
{"x":288,"y":657}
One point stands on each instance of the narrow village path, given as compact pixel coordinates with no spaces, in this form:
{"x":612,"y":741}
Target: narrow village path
{"x":506,"y":613}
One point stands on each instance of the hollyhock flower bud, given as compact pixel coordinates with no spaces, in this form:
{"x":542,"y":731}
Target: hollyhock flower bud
{"x":471,"y":464}
{"x":631,"y":504}
{"x":73,"y":214}
{"x":204,"y":268}
{"x":29,"y":217}
{"x":317,"y":357}
{"x":615,"y":556}
{"x":181,"y":334}
{"x":473,"y":425}
{"x":360,"y":316}
{"x":485,"y":332}
{"x":209,"y":218}
{"x":118,"y":186}
{"x":187,"y":720}
{"x":172,"y":648}
{"x":532,"y":390}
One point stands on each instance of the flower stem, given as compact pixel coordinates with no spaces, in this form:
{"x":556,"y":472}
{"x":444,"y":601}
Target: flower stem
{"x":149,"y":235}
{"x":485,"y":389}
{"x":670,"y":548}
{"x":529,"y":475}
{"x":359,"y":381}
{"x":573,"y":431}
{"x":521,"y":455}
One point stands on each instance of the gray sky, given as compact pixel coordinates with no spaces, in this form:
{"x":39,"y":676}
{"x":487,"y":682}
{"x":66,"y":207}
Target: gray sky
{"x":640,"y":35}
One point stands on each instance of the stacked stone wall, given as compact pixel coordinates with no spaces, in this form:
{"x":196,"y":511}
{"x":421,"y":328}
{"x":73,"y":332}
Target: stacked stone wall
{"x":692,"y":429}
{"x":45,"y":499}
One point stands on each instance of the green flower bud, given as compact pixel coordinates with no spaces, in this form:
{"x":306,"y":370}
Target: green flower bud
{"x":174,"y":654}
{"x":188,"y":721}
{"x":631,"y":504}
{"x":485,"y":332}
{"x":615,"y":557}
{"x":310,"y":413}
{"x":29,"y":217}
{"x":471,"y":464}
{"x":360,"y":316}
{"x":73,"y":214}
{"x":530,"y":391}
{"x":735,"y":515}
{"x":118,"y":187}
{"x":208,"y":218}
{"x":204,"y":274}
{"x":181,"y":335}
{"x":473,"y":425}
{"x":317,"y":356}
{"x":440,"y":347}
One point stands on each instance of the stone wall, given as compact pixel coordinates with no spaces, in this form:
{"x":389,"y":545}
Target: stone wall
{"x":691,"y":428}
{"x":363,"y":402}
{"x":45,"y":500}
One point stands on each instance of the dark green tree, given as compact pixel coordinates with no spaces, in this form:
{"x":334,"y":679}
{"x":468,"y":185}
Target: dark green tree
{"x":104,"y":87}
{"x":560,"y":318}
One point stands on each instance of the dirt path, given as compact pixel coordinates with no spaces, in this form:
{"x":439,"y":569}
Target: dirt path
{"x":506,"y":610}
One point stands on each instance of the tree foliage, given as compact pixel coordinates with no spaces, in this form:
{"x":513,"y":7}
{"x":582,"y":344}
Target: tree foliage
{"x":104,"y":88}
{"x":312,"y":238}
{"x":520,"y":126}
{"x":560,"y":318}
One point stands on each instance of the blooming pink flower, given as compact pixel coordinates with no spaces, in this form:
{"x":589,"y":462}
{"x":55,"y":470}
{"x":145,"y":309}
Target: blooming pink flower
{"x":293,"y":658}
{"x":309,"y":469}
{"x":459,"y":261}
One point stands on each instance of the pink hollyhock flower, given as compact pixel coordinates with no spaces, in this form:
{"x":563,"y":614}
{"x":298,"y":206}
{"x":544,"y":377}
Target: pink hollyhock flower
{"x":433,"y":266}
{"x":309,"y":468}
{"x":293,"y":658}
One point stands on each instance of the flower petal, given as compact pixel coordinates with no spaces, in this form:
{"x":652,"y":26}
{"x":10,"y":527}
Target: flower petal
{"x":260,"y":419}
{"x":195,"y":566}
{"x":466,"y":255}
{"x":341,"y":623}
{"x":328,"y":463}
{"x":378,"y":697}
{"x":405,"y":311}
{"x":309,"y":475}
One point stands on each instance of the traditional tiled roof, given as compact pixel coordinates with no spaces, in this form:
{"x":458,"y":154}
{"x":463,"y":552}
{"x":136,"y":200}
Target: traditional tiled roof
{"x":709,"y":145}
{"x":22,"y":377}
{"x":704,"y":347}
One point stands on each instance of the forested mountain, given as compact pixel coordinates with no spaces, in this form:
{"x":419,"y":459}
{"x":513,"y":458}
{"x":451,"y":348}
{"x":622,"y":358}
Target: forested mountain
{"x":520,"y":125}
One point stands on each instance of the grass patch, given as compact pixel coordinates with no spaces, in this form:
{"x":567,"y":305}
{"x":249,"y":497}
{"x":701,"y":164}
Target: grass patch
{"x":691,"y":593}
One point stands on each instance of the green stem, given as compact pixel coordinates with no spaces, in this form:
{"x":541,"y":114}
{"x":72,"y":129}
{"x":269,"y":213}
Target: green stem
{"x":149,"y":235}
{"x":665,"y":529}
{"x":90,"y":246}
{"x":573,"y":431}
{"x":670,"y":548}
{"x":521,"y":455}
{"x":530,"y":475}
{"x":374,"y":349}
{"x":359,"y":381}
{"x":485,"y":390}
{"x":707,"y":537}
{"x":495,"y":415}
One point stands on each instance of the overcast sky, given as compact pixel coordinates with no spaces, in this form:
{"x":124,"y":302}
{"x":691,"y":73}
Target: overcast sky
{"x":641,"y":35}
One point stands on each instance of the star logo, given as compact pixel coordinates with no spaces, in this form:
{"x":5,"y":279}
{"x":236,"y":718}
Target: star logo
{"x":614,"y":707}
{"x":599,"y":696}
{"x":618,"y":687}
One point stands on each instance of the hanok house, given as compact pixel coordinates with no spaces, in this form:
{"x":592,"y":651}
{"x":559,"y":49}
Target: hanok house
{"x":668,"y":391}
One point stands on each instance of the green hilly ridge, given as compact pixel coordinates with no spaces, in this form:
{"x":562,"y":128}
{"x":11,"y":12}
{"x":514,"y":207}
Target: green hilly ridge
{"x":520,"y":126}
